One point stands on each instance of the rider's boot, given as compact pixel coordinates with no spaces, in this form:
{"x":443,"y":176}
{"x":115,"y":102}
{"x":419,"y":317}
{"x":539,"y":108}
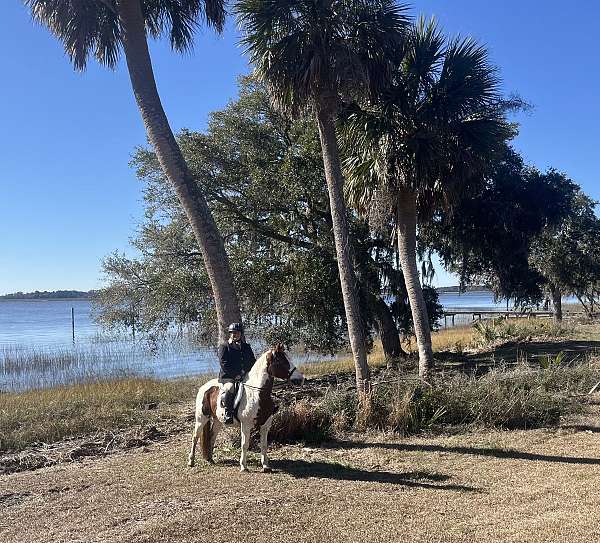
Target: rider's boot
{"x":228,"y":400}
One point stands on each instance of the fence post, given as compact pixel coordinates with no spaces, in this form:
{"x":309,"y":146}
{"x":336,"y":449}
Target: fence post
{"x":73,"y":323}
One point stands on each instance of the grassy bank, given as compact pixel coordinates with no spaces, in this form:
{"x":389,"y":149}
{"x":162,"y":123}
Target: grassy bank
{"x":527,"y":395}
{"x":50,"y":415}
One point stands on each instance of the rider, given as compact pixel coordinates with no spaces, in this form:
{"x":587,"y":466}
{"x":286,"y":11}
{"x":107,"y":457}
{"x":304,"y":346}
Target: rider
{"x":236,"y":358}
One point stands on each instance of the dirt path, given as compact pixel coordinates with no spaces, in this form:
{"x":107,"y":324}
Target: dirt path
{"x":526,"y":486}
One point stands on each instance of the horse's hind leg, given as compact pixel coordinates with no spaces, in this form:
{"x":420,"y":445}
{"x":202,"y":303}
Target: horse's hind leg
{"x":264,"y":434}
{"x":200,"y":422}
{"x":214,"y":432}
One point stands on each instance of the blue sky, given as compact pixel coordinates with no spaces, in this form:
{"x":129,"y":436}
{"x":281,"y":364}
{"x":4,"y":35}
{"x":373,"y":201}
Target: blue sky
{"x":68,"y":196}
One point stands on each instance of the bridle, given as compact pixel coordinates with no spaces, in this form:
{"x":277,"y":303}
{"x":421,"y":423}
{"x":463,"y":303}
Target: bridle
{"x":287,"y":379}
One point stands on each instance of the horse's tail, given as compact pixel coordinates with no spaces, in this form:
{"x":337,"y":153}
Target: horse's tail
{"x":206,"y":440}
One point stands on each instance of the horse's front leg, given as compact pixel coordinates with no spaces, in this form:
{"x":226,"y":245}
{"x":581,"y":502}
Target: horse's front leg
{"x":245,"y":428}
{"x":264,"y":434}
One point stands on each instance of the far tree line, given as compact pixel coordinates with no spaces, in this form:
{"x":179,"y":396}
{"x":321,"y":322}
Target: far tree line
{"x":391,"y":136}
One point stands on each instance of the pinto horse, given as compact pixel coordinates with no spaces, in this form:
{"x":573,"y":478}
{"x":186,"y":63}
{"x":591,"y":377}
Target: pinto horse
{"x":255,"y":407}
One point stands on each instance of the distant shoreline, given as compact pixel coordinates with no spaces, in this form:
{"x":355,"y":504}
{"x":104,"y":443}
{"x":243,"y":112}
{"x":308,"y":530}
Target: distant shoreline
{"x":48,"y":295}
{"x":65,"y":295}
{"x":78,"y":299}
{"x":457,"y":290}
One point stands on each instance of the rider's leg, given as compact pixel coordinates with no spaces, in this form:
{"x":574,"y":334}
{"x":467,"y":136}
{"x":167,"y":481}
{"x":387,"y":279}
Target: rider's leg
{"x":264,"y":433}
{"x":227,"y":399}
{"x":245,"y":444}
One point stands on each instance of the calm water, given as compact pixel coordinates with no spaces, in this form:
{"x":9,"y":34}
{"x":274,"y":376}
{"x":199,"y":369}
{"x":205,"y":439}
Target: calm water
{"x":37,"y":349}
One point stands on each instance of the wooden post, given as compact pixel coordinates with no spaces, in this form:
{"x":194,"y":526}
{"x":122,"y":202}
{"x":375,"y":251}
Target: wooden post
{"x":73,"y":323}
{"x":453,"y":319}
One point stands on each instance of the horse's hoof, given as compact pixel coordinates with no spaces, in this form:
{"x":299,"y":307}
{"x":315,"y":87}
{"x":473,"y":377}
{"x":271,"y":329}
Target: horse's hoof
{"x":243,"y":469}
{"x":191,"y":463}
{"x":266,"y":469}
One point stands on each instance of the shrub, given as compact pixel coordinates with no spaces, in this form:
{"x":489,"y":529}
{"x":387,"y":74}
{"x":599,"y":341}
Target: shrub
{"x":301,"y":421}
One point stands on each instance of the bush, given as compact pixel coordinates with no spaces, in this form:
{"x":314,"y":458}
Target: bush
{"x":303,"y":422}
{"x":488,"y":332}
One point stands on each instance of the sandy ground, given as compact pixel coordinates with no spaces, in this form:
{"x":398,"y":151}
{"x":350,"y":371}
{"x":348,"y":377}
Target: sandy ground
{"x":525,"y":486}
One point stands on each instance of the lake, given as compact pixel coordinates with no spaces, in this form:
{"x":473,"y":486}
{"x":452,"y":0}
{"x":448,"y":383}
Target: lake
{"x":37,"y":348}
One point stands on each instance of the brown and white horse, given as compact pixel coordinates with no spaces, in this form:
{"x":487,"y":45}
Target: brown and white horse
{"x":255,"y":408}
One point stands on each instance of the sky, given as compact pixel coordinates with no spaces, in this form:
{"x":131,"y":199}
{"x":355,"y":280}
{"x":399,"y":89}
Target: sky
{"x":68,"y":197}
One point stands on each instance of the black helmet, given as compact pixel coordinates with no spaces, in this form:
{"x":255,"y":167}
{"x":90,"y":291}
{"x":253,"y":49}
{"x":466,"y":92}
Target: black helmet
{"x":235,"y":327}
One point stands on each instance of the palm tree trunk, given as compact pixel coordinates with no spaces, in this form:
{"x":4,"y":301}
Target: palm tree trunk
{"x":335,"y":181}
{"x":407,"y":241}
{"x":556,"y":295}
{"x":174,"y":166}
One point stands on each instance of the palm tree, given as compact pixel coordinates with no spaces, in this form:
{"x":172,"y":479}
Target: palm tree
{"x":102,"y":28}
{"x":310,"y":54}
{"x":424,"y":137}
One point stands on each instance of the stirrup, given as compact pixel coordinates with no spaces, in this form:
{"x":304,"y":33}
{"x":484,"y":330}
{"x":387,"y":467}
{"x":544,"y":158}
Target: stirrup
{"x":228,"y":419}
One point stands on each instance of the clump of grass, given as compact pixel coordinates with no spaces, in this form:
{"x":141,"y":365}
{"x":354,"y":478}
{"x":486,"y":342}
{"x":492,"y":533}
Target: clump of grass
{"x":301,"y":421}
{"x":489,"y":332}
{"x":50,"y":415}
{"x":454,"y":339}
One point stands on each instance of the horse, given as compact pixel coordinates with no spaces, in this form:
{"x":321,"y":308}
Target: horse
{"x":255,"y":406}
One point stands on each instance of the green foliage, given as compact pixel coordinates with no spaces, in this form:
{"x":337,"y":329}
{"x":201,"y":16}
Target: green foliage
{"x":306,"y":49}
{"x":264,"y":181}
{"x":437,"y":122}
{"x":487,"y":332}
{"x":502,"y":217}
{"x":567,"y":254}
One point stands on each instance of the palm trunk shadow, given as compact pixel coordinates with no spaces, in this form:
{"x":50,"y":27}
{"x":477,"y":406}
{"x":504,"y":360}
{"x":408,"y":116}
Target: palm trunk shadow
{"x":476,"y":451}
{"x":302,"y":469}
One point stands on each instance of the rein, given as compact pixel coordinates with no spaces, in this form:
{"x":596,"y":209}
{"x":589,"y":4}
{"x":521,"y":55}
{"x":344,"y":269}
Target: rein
{"x":262,"y":388}
{"x":289,"y":376}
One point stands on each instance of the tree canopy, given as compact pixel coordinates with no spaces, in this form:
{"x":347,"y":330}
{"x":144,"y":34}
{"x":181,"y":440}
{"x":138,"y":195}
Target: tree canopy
{"x":263,"y":177}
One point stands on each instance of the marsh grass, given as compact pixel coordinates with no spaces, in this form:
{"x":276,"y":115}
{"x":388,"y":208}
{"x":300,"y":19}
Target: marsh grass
{"x":34,"y":368}
{"x":49,"y":415}
{"x":489,"y":332}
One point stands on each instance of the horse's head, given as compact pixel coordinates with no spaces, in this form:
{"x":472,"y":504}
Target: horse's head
{"x":279,"y":365}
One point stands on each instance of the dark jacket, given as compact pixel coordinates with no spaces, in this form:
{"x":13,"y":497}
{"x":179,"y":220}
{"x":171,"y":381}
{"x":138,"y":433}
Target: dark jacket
{"x":234,"y":362}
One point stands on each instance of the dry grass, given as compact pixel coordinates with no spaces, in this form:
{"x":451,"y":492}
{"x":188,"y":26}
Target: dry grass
{"x":49,"y":415}
{"x":344,"y":364}
{"x":510,"y":487}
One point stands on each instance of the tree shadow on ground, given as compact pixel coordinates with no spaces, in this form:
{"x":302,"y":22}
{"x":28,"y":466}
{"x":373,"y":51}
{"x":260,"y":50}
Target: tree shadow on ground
{"x":476,"y":451}
{"x":512,"y":352}
{"x":303,"y":469}
{"x":582,"y":428}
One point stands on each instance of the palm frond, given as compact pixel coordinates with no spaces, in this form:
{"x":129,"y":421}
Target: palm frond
{"x":85,"y":28}
{"x":468,"y":82}
{"x":91,"y":27}
{"x":179,"y":19}
{"x":303,"y":48}
{"x":433,"y":129}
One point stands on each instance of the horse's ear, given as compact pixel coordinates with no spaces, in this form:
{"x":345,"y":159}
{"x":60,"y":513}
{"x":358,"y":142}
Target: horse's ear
{"x":279,"y":348}
{"x":269,"y":357}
